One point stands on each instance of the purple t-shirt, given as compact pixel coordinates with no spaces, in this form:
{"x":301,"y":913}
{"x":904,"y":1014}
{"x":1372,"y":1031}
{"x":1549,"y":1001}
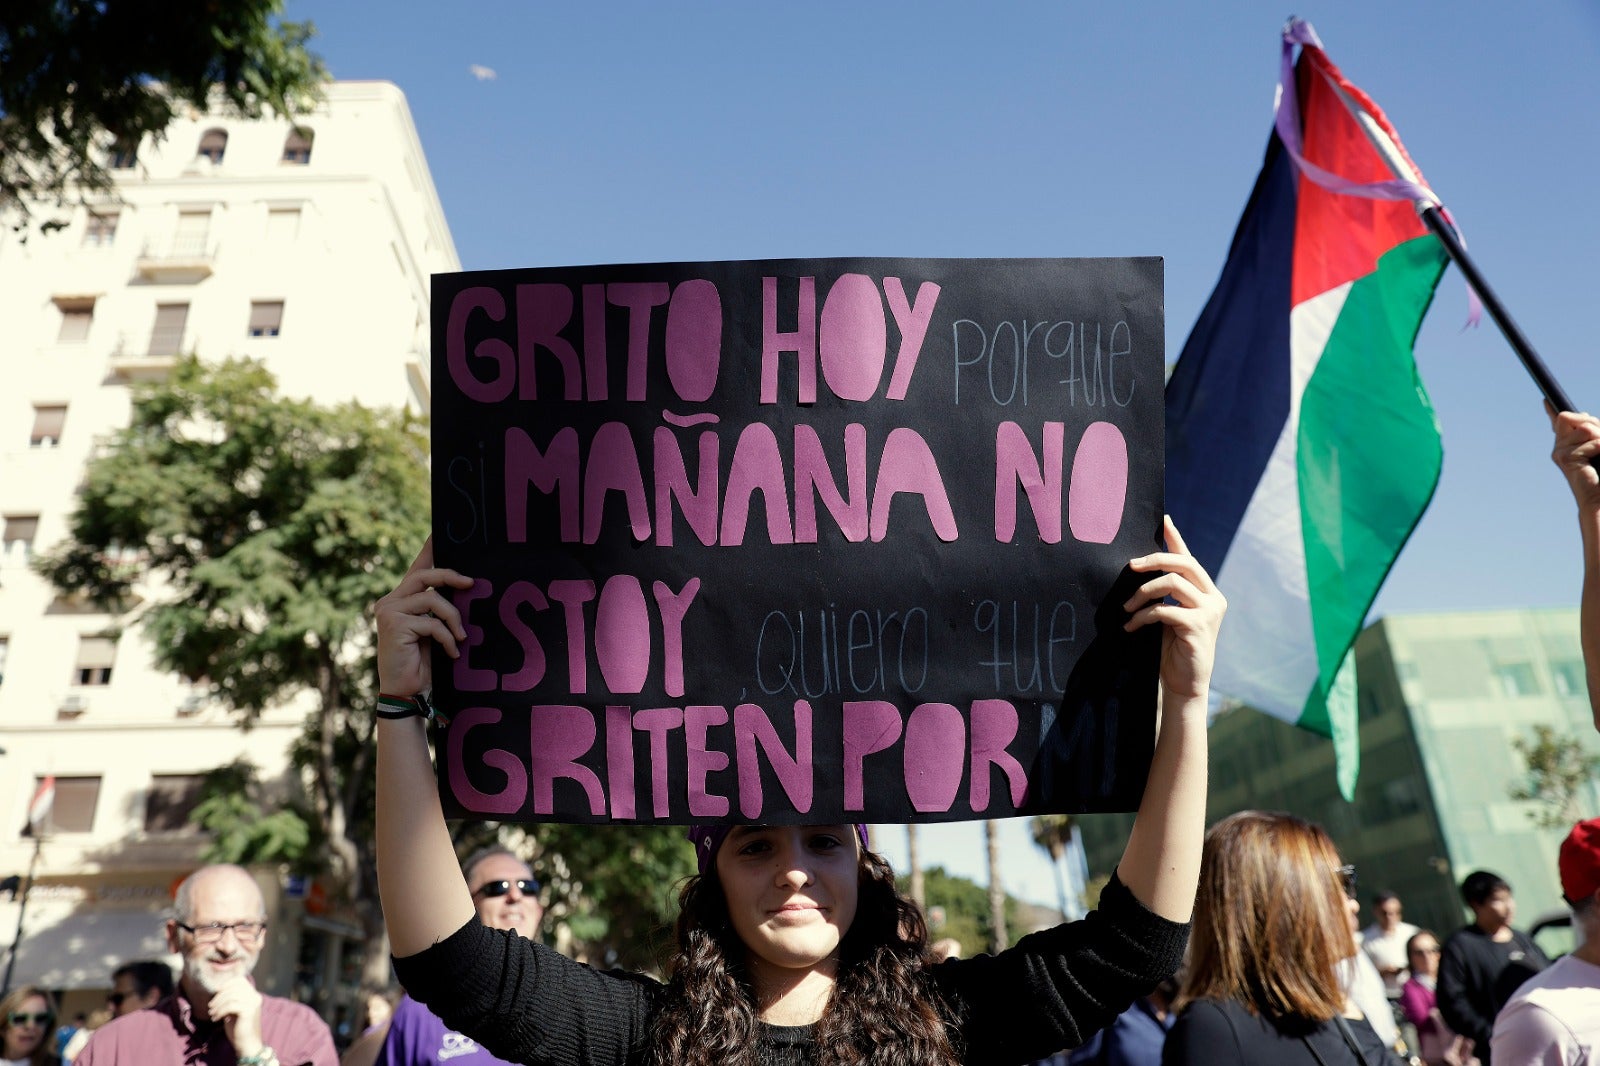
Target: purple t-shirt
{"x":418,"y":1038}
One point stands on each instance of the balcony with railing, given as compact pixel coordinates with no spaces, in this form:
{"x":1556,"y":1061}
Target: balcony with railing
{"x":153,"y":357}
{"x":179,"y":257}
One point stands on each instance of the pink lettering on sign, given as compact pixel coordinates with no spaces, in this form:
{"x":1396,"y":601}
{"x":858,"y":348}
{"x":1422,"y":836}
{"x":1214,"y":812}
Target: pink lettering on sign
{"x":466,"y":677}
{"x":558,"y":736}
{"x":702,"y":760}
{"x":542,"y":311}
{"x":912,"y":319}
{"x":495,"y":352}
{"x":757,"y":467}
{"x":753,"y":730}
{"x":935,"y":751}
{"x":640,"y":298}
{"x":994,"y":726}
{"x":554,"y":470}
{"x":658,"y":723}
{"x":802,"y":342}
{"x":1040,"y":478}
{"x":813,"y":479}
{"x":619,"y":760}
{"x":853,"y":337}
{"x":1099,"y":484}
{"x":697,"y":504}
{"x":908,"y":466}
{"x":508,"y":800}
{"x":694,"y":340}
{"x":933,"y":733}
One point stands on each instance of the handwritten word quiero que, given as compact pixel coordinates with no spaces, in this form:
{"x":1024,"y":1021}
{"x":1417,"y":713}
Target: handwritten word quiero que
{"x":937,"y":744}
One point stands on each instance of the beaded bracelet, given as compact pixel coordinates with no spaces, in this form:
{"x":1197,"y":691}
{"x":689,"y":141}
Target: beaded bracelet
{"x":265,"y":1057}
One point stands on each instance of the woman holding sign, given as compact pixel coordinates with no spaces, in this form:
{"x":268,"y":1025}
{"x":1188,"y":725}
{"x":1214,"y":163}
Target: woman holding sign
{"x":793,"y":946}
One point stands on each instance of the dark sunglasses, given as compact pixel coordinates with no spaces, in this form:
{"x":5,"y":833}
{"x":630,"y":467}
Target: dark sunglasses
{"x":19,"y":1018}
{"x":495,"y":889}
{"x":1347,"y":877}
{"x":116,"y":998}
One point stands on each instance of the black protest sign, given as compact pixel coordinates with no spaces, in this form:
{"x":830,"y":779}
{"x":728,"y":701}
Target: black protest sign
{"x":830,"y":540}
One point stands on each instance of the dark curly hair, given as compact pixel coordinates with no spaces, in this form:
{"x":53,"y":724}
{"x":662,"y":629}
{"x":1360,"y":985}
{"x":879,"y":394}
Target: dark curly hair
{"x":885,"y":1009}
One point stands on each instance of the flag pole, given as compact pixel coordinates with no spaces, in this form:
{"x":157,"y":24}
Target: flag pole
{"x":22,"y":909}
{"x":1432,"y":214}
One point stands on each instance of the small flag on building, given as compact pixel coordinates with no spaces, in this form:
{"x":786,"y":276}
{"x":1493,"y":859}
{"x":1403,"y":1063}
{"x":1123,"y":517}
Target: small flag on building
{"x":1302,"y":448}
{"x":44,"y":799}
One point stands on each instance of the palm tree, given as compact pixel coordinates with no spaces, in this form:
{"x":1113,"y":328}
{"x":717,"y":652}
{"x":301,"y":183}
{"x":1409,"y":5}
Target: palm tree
{"x":1053,"y":833}
{"x":997,"y":891}
{"x":914,"y":860}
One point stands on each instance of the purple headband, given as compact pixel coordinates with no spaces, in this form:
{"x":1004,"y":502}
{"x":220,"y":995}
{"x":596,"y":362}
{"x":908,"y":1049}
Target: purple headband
{"x":708,"y":838}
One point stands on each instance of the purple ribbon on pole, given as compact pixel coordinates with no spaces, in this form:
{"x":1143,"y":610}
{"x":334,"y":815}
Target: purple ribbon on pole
{"x":1287,"y":122}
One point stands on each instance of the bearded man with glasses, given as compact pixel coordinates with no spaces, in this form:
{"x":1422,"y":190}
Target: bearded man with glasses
{"x":506,"y":897}
{"x":215,"y":1017}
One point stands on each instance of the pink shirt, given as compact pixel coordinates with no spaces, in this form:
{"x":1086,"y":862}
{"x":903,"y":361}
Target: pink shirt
{"x":168,"y":1035}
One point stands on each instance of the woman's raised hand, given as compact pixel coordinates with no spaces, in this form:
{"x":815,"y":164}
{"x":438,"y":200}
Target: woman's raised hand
{"x":411,"y":619}
{"x":1190,"y":623}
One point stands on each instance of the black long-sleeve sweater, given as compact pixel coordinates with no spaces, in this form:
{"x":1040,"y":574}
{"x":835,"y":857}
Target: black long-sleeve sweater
{"x":1477,"y":974}
{"x":529,"y":1004}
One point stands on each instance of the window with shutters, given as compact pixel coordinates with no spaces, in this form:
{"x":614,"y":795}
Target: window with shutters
{"x":48,"y":420}
{"x":170,"y":802}
{"x":100,"y":230}
{"x":266,"y":318}
{"x":76,"y":799}
{"x":297,"y":149}
{"x":96,"y":656}
{"x":213,"y":143}
{"x":194,"y":230}
{"x":77,"y":315}
{"x":166,"y":337}
{"x":17,"y":540}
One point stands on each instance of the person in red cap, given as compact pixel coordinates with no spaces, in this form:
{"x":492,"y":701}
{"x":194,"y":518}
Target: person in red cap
{"x":794,"y":947}
{"x":1554,"y":1019}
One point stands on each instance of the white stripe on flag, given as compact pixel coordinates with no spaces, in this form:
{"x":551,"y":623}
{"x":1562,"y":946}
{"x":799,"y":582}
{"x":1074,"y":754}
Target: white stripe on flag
{"x":1267,"y":653}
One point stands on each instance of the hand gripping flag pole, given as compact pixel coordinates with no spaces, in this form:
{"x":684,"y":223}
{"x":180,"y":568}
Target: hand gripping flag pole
{"x":1429,"y":209}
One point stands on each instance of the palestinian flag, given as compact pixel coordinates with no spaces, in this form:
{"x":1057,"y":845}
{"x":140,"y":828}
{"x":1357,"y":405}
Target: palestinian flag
{"x":1302,"y":447}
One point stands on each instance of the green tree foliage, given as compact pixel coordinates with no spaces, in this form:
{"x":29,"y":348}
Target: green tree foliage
{"x":1559,"y":765}
{"x":964,"y":905}
{"x":244,"y":826}
{"x":77,"y":76}
{"x":249,"y":534}
{"x":616,"y":888}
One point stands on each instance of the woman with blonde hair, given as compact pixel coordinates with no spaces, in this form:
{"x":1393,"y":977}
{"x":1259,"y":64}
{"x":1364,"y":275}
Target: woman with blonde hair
{"x":27,"y":1021}
{"x":1262,"y":984}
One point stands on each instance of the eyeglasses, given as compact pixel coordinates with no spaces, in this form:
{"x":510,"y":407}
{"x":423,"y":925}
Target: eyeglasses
{"x":1426,"y":951}
{"x":494,"y":889}
{"x":244,"y":932}
{"x":1347,"y":877}
{"x":19,"y":1018}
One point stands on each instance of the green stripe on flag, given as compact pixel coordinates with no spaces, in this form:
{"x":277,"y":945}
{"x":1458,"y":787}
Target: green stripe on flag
{"x":1368,"y":455}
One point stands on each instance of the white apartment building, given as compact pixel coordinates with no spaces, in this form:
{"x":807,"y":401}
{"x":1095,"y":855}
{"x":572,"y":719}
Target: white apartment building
{"x":307,"y":245}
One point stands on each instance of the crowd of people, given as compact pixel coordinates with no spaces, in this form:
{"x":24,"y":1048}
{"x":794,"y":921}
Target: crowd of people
{"x":1237,"y":944}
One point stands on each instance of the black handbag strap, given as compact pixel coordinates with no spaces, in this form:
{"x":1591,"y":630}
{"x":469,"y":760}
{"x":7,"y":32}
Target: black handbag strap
{"x":1349,"y":1039}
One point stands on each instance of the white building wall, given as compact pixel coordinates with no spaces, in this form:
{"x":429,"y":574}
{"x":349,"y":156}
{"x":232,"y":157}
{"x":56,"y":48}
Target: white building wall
{"x":353,"y":279}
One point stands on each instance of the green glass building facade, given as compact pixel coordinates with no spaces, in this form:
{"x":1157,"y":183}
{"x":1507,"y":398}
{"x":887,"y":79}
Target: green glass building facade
{"x":1442,"y":697}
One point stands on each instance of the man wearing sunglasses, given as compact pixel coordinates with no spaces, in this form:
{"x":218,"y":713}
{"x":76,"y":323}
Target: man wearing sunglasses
{"x":215,"y":1017}
{"x":506,"y":897}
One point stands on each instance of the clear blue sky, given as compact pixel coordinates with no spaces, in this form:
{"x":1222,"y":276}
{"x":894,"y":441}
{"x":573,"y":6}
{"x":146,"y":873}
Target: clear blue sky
{"x":631,"y":132}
